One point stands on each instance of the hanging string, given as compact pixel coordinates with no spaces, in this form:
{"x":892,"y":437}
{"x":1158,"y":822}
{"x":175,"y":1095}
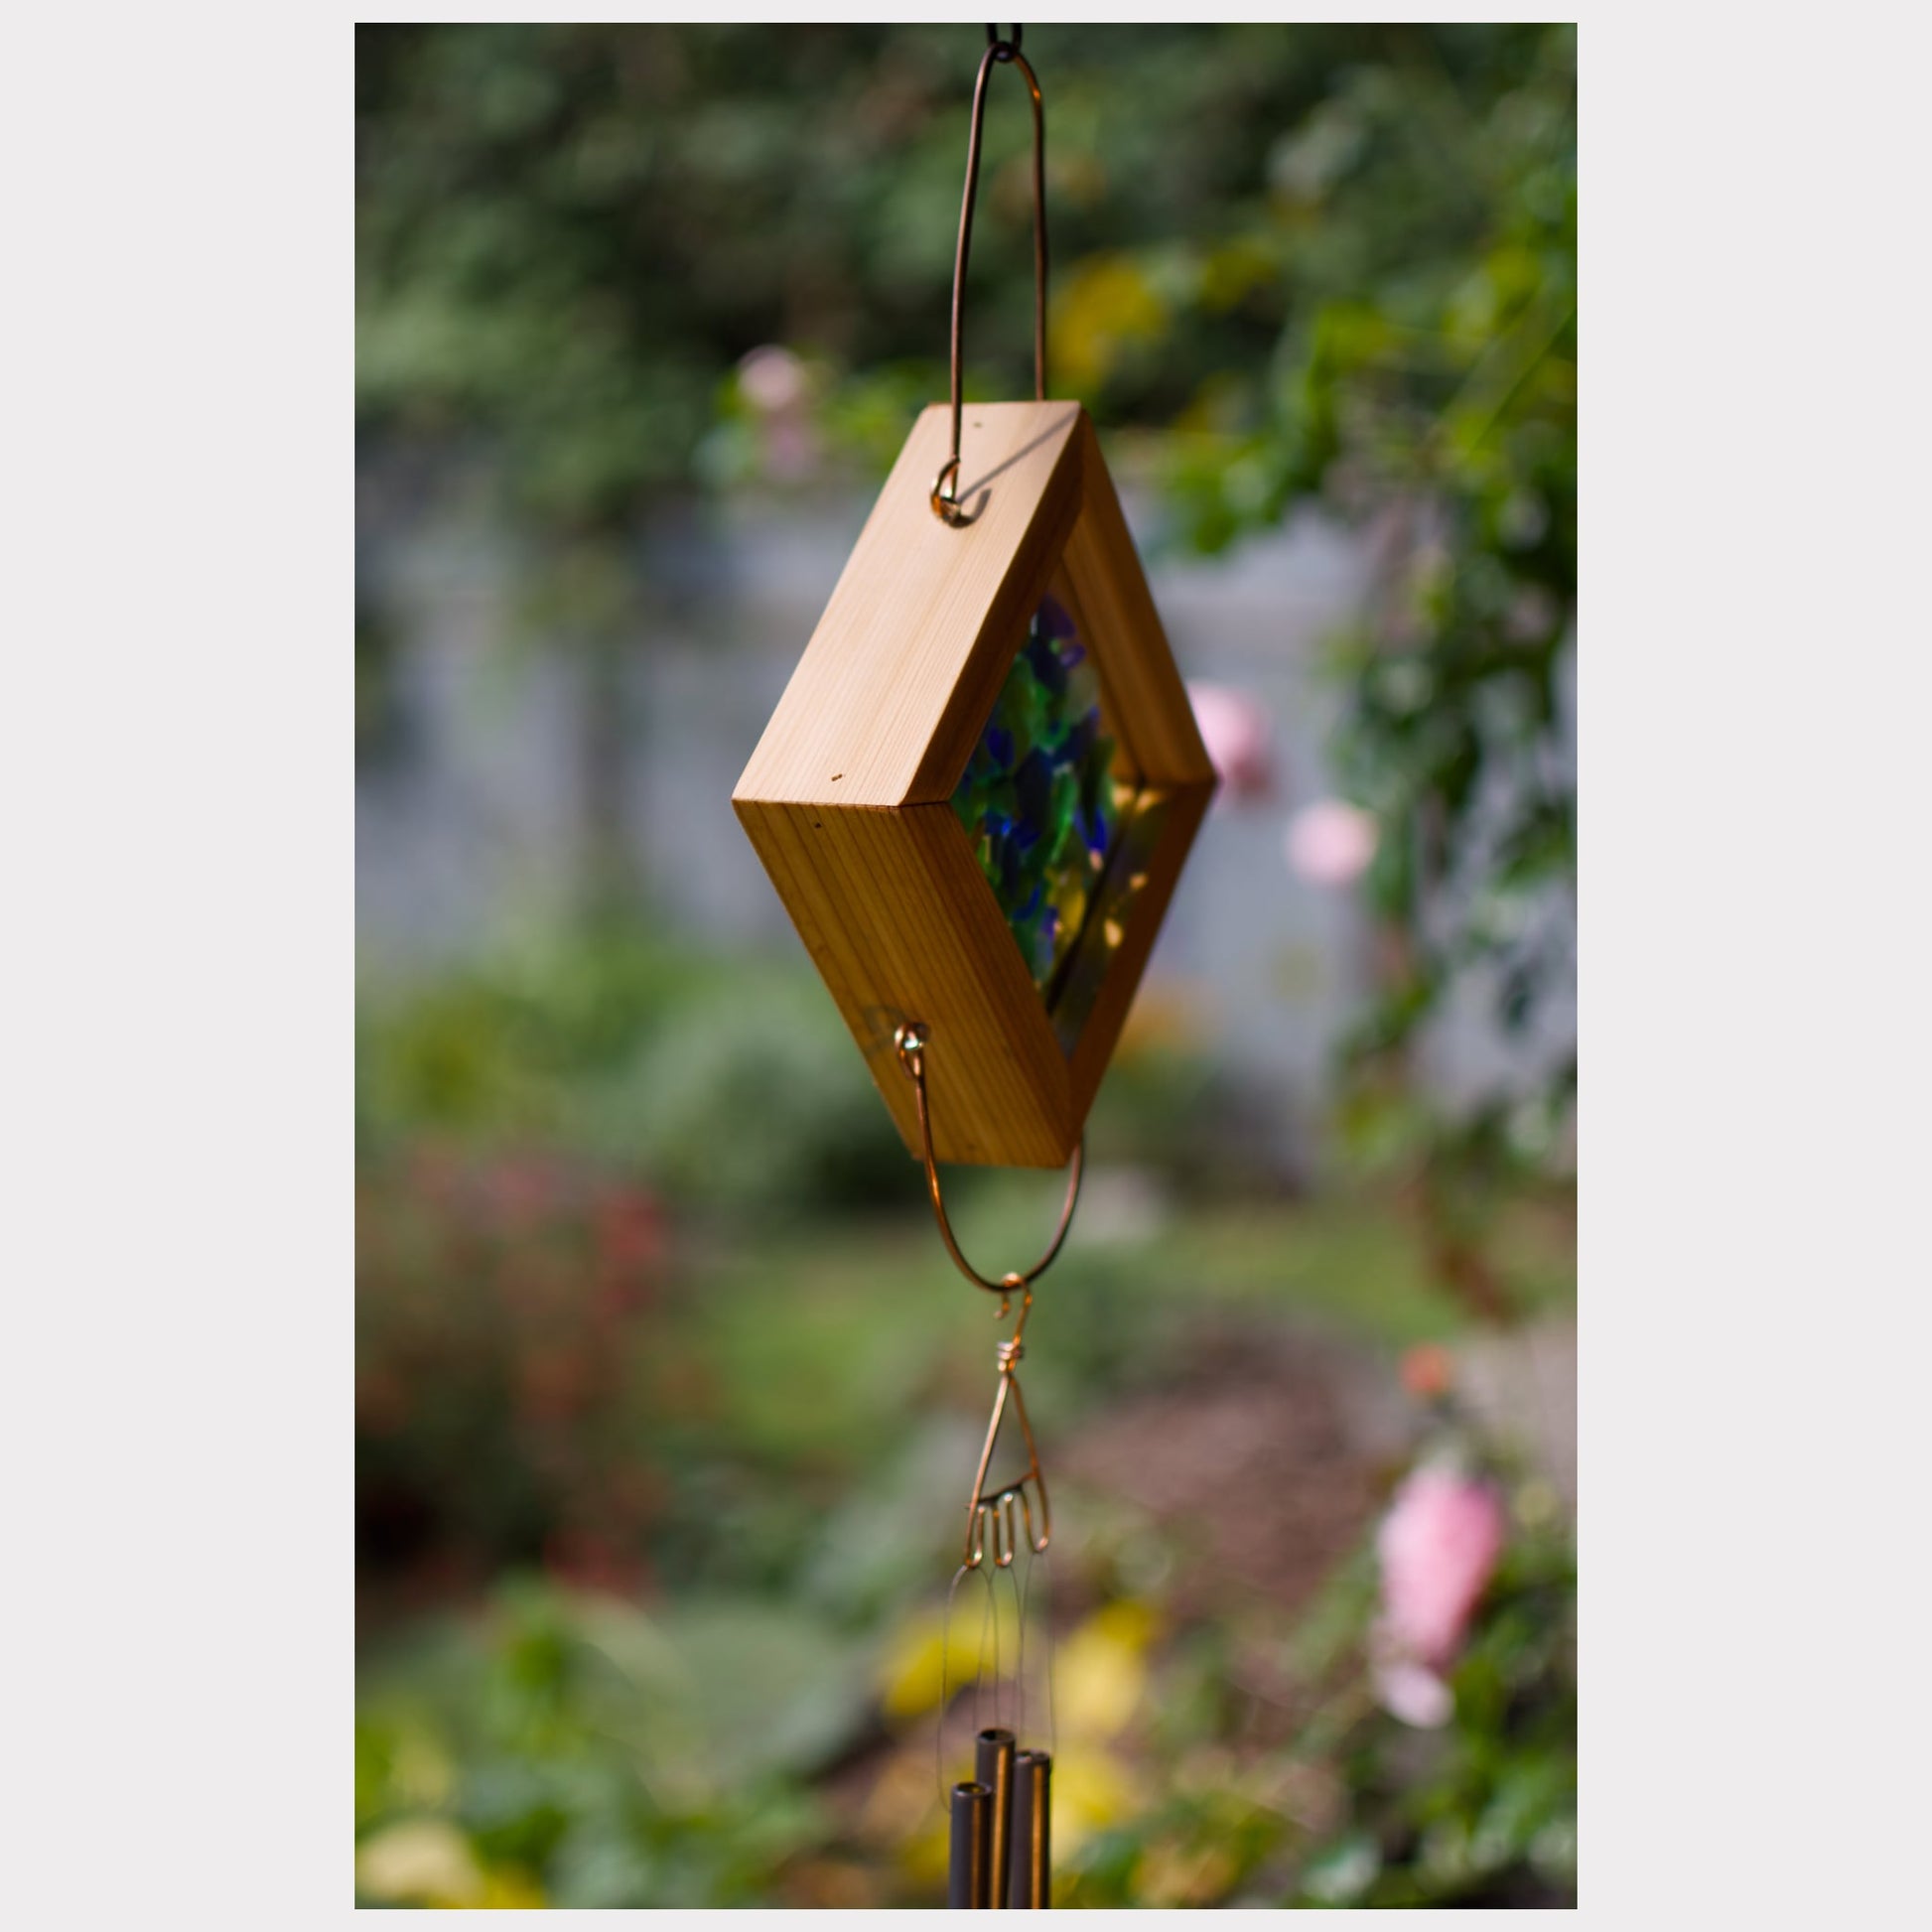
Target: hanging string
{"x":992,"y":1616}
{"x":1052,"y":1709}
{"x":1025,"y":1588}
{"x":1024,"y":1610}
{"x":989,"y":1623}
{"x":1019,"y":1658}
{"x":945,"y":1686}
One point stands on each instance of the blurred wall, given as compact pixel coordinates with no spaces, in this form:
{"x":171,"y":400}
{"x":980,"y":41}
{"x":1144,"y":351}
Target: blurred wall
{"x":471,"y":793}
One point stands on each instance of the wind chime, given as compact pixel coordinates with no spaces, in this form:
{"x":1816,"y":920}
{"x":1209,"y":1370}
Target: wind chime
{"x":975,"y":798}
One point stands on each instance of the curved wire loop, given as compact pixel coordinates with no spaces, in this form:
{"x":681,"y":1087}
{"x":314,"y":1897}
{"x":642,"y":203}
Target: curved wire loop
{"x":911,"y":1039}
{"x":945,"y":486}
{"x":994,"y":1517}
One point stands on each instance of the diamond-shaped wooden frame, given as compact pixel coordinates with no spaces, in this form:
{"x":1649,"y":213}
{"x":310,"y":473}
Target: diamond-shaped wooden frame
{"x":848,"y":796}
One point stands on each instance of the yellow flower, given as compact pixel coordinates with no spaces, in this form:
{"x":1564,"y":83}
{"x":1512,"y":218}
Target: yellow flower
{"x":423,"y":1861}
{"x":428,"y":1862}
{"x":909,"y":1674}
{"x":511,"y":1891}
{"x":1092,"y":1789}
{"x":1104,"y":308}
{"x":1101,"y":1671}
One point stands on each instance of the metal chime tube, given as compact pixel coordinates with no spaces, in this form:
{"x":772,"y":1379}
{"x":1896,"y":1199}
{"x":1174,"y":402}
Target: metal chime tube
{"x":993,"y":1767}
{"x":970,"y":1879}
{"x":1030,"y":1834}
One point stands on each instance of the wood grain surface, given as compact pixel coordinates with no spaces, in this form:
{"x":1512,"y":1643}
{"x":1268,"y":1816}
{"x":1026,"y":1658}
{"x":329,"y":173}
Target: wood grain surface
{"x":898,"y":677}
{"x":1143,"y":681}
{"x":847,"y":797}
{"x":894,"y":912}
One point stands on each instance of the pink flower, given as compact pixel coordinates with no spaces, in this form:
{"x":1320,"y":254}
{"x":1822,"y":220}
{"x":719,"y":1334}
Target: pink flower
{"x":771,"y":379}
{"x":1438,"y":1545}
{"x":777,"y":387}
{"x":1236,"y":732}
{"x":1415,"y":1695}
{"x":1330,"y":843}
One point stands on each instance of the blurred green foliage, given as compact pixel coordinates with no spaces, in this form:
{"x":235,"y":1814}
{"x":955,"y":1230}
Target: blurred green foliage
{"x":569,"y":235}
{"x":724,"y":1083}
{"x":1419,"y":253}
{"x":590,"y":1315}
{"x":1485,"y":1811}
{"x":731,"y":1455}
{"x":579,"y":1753}
{"x":1356,"y":1809}
{"x":1305,"y":266}
{"x":566,"y":1749}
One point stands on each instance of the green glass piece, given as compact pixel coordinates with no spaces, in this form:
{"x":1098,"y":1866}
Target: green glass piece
{"x":1036,"y":798}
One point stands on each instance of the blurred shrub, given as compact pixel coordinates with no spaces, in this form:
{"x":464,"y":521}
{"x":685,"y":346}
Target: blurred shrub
{"x":567,"y":235}
{"x":756,"y":1098}
{"x":726,"y":1084}
{"x":1483,"y":1812}
{"x":500,"y":1049}
{"x":1353,"y":1807}
{"x":1165,"y":1109}
{"x":499,"y":1384}
{"x":566,"y":1749}
{"x":1414,"y":257}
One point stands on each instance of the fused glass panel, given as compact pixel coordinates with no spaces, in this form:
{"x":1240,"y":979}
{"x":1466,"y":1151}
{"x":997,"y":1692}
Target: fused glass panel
{"x":1038,"y":798}
{"x":1141,"y":818}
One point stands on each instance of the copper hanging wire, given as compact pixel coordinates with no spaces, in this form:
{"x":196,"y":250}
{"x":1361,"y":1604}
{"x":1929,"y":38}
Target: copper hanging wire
{"x":999,"y":53}
{"x":993,"y":1517}
{"x":913,"y":1044}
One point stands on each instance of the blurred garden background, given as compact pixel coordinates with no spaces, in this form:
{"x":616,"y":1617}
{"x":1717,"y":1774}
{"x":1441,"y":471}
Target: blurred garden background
{"x":667,"y":1398}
